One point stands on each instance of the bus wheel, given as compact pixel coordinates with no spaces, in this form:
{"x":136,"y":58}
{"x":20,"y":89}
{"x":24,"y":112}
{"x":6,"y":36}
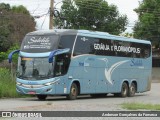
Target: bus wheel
{"x":42,"y":97}
{"x":124,"y":90}
{"x":73,"y":92}
{"x":132,"y":90}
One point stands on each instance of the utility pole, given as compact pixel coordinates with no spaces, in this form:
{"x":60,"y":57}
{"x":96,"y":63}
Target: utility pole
{"x":51,"y":14}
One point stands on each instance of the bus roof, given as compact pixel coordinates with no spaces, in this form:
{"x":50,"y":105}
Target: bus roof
{"x":109,"y":36}
{"x":54,"y":31}
{"x":87,"y":33}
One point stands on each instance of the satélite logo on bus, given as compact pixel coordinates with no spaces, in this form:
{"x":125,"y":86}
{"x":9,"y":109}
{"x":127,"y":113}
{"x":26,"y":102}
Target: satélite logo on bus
{"x":39,"y":40}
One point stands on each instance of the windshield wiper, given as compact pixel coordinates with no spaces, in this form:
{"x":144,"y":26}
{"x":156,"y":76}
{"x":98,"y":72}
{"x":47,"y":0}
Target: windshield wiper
{"x":45,"y":76}
{"x":24,"y":77}
{"x":42,"y":76}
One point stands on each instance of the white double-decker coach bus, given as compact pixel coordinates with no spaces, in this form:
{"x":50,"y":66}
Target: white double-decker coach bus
{"x":76,"y":62}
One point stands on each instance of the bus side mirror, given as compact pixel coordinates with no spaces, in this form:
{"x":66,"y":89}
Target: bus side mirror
{"x":57,"y":52}
{"x":11,"y":54}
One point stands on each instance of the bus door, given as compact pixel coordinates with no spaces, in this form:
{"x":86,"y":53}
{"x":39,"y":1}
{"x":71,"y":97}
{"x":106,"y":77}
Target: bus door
{"x":60,"y":70}
{"x":101,"y":82}
{"x":89,"y":75}
{"x":85,"y":54}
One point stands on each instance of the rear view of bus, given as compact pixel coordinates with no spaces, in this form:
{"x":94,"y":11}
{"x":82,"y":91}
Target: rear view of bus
{"x":73,"y":62}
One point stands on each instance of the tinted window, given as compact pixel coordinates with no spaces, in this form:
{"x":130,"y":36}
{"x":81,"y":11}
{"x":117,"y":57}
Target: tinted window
{"x":103,"y":47}
{"x":39,"y":43}
{"x":99,"y":46}
{"x":63,"y":61}
{"x":84,"y":45}
{"x":66,"y":41}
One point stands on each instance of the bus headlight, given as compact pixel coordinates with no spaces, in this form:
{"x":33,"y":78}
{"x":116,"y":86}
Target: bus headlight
{"x":18,"y":83}
{"x":50,"y":83}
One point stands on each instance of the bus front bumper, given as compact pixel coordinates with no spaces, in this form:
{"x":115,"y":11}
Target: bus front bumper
{"x":40,"y":90}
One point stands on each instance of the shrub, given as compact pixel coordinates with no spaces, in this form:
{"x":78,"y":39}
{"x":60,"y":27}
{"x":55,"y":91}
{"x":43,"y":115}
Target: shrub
{"x":4,"y":55}
{"x":7,"y":84}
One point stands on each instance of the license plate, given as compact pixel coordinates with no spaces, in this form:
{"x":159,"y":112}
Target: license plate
{"x":32,"y":92}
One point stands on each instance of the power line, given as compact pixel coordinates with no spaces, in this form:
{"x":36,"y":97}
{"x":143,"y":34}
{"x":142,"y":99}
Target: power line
{"x":40,"y":11}
{"x":39,"y":16}
{"x":147,"y":10}
{"x":88,"y":8}
{"x":109,"y":10}
{"x":36,"y":7}
{"x":91,"y":7}
{"x":97,"y":7}
{"x":83,"y":7}
{"x":44,"y":20}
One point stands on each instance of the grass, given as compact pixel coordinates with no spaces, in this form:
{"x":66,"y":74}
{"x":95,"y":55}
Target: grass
{"x":7,"y":84}
{"x":140,"y":106}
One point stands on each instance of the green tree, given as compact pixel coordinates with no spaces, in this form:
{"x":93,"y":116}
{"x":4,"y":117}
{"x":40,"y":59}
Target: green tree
{"x":91,"y":15}
{"x":148,"y":24}
{"x":15,"y":22}
{"x":20,"y":9}
{"x":129,"y":35}
{"x":4,"y":31}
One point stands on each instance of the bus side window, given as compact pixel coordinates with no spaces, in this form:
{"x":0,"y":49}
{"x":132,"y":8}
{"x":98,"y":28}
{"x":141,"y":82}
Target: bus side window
{"x":147,"y":51}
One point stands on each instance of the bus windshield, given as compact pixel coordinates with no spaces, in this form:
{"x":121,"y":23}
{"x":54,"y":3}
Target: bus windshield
{"x":34,"y":68}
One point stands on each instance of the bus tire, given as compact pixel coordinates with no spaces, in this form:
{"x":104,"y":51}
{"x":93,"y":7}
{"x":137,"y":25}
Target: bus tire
{"x":124,"y":90}
{"x":42,"y":97}
{"x":73,"y":92}
{"x":132,"y":90}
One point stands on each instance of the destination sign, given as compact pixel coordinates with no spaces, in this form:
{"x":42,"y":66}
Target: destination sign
{"x":39,"y":43}
{"x":117,"y":48}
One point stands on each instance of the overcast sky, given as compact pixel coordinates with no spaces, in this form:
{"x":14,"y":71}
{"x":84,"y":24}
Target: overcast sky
{"x":40,"y":7}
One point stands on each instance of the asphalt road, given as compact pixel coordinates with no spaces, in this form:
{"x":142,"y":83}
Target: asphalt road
{"x":83,"y":103}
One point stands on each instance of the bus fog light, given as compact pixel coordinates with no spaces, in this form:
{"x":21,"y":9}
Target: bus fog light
{"x":49,"y":90}
{"x":18,"y":83}
{"x":52,"y":82}
{"x":47,"y":84}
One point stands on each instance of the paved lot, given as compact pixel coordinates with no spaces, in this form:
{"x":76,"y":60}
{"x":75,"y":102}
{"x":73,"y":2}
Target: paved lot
{"x":83,"y":103}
